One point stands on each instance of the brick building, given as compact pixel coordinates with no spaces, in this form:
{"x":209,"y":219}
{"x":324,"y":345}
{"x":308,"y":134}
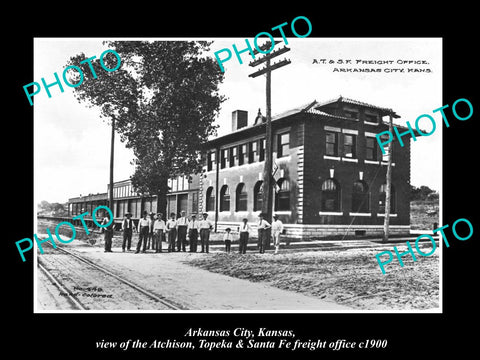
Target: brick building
{"x":330,"y":174}
{"x":183,"y":195}
{"x":330,"y":171}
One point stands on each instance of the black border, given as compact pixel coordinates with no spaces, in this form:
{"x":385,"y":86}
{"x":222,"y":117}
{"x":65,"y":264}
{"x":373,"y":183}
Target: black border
{"x":408,"y":334}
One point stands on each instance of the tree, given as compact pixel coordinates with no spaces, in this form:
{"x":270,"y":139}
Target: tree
{"x":422,"y":193}
{"x":164,"y":101}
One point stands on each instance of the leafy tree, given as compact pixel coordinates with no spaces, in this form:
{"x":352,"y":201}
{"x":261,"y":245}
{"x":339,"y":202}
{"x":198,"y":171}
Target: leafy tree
{"x":422,"y":193}
{"x":51,"y":207}
{"x":163,"y":100}
{"x":44,"y":205}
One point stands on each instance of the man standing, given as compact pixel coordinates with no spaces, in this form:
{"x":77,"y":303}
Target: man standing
{"x":150,"y":231}
{"x":263,"y":225}
{"x":108,"y":233}
{"x":244,"y":230}
{"x":277,"y":229}
{"x":127,"y":228}
{"x":143,"y":230}
{"x":193,"y":227}
{"x":158,"y":229}
{"x":182,"y":223}
{"x":205,"y":227}
{"x":172,"y":232}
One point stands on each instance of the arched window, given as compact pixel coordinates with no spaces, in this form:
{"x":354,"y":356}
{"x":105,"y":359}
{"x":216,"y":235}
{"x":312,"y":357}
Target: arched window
{"x":330,"y":195}
{"x":382,"y":199}
{"x":360,"y":197}
{"x":258,"y":196}
{"x":282,"y":200}
{"x":241,"y":198}
{"x":224,"y":198}
{"x":210,"y":198}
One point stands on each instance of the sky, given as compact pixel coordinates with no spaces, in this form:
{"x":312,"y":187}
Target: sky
{"x":72,"y":142}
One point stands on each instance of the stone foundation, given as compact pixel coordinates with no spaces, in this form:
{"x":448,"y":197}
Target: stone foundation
{"x":310,"y":232}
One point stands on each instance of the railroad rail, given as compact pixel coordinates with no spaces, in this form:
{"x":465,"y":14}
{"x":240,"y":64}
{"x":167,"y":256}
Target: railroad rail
{"x":76,"y":302}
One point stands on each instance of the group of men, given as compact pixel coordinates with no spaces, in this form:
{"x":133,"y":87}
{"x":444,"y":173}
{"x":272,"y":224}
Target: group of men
{"x":153,"y":230}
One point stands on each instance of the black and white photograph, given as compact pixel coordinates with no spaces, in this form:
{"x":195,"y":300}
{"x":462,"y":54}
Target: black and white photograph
{"x":228,"y":186}
{"x":211,"y":179}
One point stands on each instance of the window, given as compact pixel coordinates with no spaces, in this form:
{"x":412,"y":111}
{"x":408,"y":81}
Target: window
{"x":371,"y":118}
{"x":180,"y":183}
{"x":253,"y":152}
{"x":224,"y":158}
{"x":224,"y":198}
{"x":233,"y":156}
{"x":351,"y":114}
{"x":258,"y":196}
{"x":211,"y":161}
{"x":371,"y":146}
{"x":194,"y":202}
{"x":210,"y":199}
{"x":331,"y":141}
{"x":282,"y":200}
{"x":283,"y":142}
{"x":349,"y":145}
{"x":241,"y":198}
{"x":262,"y":150}
{"x":242,"y":154}
{"x":360,"y":197}
{"x":382,"y":199}
{"x":330,"y":195}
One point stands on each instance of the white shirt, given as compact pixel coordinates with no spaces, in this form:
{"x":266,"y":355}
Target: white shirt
{"x":194,"y":224}
{"x":227,"y":236}
{"x":245,"y":228}
{"x":159,"y":224}
{"x":277,"y":226}
{"x":263,"y":224}
{"x":182,"y":221}
{"x":143,"y":222}
{"x":205,"y":224}
{"x":171,"y":224}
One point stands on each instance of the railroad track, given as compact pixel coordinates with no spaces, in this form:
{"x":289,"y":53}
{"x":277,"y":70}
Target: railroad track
{"x":77,"y":303}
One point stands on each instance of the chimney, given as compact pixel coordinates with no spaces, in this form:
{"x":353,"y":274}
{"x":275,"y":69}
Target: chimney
{"x":239,"y":119}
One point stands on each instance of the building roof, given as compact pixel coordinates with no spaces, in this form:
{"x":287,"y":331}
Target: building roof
{"x":382,"y":110}
{"x":313,"y":107}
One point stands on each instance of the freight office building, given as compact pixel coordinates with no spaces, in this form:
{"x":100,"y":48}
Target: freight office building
{"x":330,"y":172}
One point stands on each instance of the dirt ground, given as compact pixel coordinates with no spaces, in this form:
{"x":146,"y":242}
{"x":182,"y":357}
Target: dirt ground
{"x":349,"y":277}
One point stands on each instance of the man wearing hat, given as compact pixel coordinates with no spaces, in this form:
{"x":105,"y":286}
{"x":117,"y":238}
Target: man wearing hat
{"x":171,"y":229}
{"x":143,"y":230}
{"x":108,"y":233}
{"x":182,"y":223}
{"x":277,"y":229}
{"x":193,"y":228}
{"x":150,"y":231}
{"x":227,"y":238}
{"x":158,"y":230}
{"x":205,"y":227}
{"x":262,"y":227}
{"x":127,"y":228}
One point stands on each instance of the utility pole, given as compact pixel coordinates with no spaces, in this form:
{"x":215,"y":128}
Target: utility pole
{"x":388,"y":190}
{"x":110,"y":192}
{"x":267,"y":170}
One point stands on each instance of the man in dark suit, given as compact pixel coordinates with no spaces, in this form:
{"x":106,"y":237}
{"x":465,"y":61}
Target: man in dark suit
{"x":127,"y":227}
